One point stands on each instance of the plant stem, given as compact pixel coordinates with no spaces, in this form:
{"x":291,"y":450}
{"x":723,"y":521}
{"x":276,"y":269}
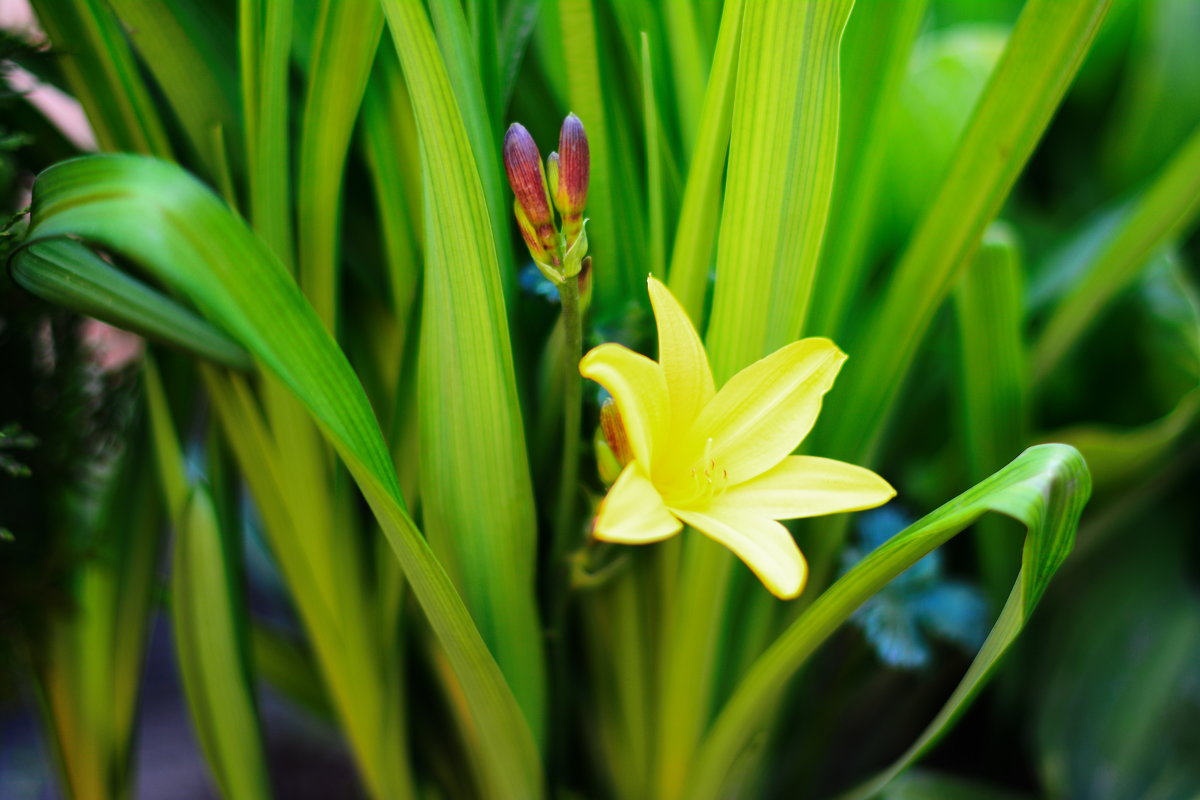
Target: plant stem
{"x":564,"y":518}
{"x":568,"y":487}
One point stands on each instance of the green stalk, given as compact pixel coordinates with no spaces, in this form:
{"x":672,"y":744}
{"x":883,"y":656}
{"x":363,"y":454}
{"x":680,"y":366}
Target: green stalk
{"x":568,"y":490}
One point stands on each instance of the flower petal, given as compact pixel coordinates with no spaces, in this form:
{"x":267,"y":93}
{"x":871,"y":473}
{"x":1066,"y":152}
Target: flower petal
{"x":807,"y":486}
{"x":763,"y":544}
{"x":638,"y":386}
{"x":682,"y":357}
{"x":633,"y":512}
{"x":761,"y":415}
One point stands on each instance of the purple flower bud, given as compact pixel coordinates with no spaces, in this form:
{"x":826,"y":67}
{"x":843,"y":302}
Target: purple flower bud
{"x":574,"y":164}
{"x":523,"y":163}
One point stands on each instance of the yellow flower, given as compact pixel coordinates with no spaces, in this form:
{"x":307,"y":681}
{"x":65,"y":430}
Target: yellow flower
{"x":721,"y":461}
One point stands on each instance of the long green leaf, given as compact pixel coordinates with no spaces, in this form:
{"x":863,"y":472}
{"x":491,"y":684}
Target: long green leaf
{"x":475,"y":487}
{"x":344,"y":43}
{"x":879,"y":39}
{"x":212,"y":657}
{"x":989,"y":309}
{"x":1162,"y":210}
{"x":782,"y":152}
{"x":468,"y":80}
{"x":103,"y":74}
{"x":1043,"y":54}
{"x":696,"y":234}
{"x":781,"y":161}
{"x":184,"y":44}
{"x":613,"y":225}
{"x":1045,"y":489}
{"x":206,"y":610}
{"x":70,"y":275}
{"x":160,"y":218}
{"x":654,"y":166}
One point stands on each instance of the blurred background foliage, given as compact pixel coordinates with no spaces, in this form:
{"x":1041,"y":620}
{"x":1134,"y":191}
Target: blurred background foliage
{"x":1083,"y":300}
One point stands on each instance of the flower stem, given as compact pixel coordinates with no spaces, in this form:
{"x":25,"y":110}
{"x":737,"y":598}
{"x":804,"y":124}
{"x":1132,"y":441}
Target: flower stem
{"x":568,"y":489}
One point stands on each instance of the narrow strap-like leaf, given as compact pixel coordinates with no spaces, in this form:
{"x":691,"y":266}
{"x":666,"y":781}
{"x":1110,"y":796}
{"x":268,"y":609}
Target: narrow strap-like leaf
{"x":477,"y":496}
{"x":1045,"y":488}
{"x":1043,"y":54}
{"x":156,"y":215}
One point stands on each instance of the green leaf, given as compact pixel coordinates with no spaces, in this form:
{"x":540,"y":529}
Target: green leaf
{"x":344,"y":43}
{"x":264,"y":43}
{"x":654,"y":166}
{"x":205,"y":610}
{"x":468,"y":82}
{"x":994,"y":404}
{"x":1043,"y":54}
{"x":696,"y":234}
{"x":782,"y":153}
{"x":390,"y":144}
{"x":1165,"y":208}
{"x":875,"y":51}
{"x":155,"y":215}
{"x":68,"y":274}
{"x":477,"y":497}
{"x":1045,"y":488}
{"x":207,"y":614}
{"x":191,"y":56}
{"x":103,"y":75}
{"x":781,"y":163}
{"x":614,"y":233}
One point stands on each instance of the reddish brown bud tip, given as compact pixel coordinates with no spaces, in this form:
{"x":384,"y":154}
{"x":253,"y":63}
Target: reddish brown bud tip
{"x":574,"y":164}
{"x":523,"y":163}
{"x":614,"y":432}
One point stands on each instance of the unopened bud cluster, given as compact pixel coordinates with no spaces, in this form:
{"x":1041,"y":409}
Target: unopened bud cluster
{"x":559,"y":250}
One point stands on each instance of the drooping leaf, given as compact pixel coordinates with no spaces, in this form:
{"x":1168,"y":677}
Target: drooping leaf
{"x":158,"y":217}
{"x":1045,"y":488}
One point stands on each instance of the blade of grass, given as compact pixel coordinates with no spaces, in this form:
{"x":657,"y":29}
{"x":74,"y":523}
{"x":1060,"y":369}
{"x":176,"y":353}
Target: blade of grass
{"x":212,"y":657}
{"x":170,"y":225}
{"x":614,"y":218}
{"x":691,"y":59}
{"x":264,"y":41}
{"x":390,"y":139}
{"x":782,"y":152}
{"x":1045,"y":488}
{"x":519,"y":21}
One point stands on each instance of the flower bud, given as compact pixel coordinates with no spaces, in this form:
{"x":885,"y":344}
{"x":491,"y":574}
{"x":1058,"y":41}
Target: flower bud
{"x":574,"y":164}
{"x":552,"y":174}
{"x":571,"y":184}
{"x":523,"y":163}
{"x":529,"y":233}
{"x":614,"y":432}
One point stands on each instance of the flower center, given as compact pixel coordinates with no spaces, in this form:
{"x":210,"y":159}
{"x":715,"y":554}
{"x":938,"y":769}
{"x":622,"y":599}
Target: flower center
{"x":708,"y":479}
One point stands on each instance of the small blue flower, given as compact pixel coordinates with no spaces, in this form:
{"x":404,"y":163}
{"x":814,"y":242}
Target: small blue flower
{"x":917,"y":604}
{"x":532,"y":281}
